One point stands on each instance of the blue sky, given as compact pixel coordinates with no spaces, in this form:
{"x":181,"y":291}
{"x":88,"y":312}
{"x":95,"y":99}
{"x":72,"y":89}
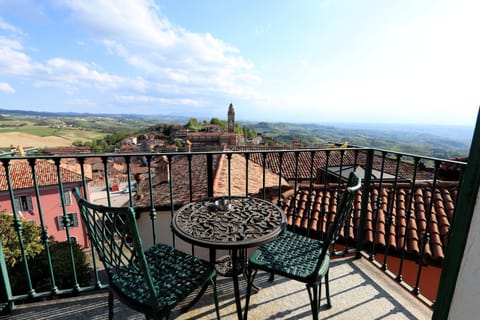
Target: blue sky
{"x":411,"y":61}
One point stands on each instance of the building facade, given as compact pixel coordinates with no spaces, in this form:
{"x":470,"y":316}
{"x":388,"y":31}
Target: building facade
{"x":49,"y":209}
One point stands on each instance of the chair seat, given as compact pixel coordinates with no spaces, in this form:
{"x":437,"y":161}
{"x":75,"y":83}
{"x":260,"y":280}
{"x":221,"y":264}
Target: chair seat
{"x":301,"y":258}
{"x":175,"y":275}
{"x":291,"y":255}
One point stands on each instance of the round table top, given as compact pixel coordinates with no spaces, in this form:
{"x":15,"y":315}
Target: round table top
{"x":244,"y":222}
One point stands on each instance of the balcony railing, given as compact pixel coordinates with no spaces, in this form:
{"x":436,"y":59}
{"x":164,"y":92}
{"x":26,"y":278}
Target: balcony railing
{"x":400,"y":220}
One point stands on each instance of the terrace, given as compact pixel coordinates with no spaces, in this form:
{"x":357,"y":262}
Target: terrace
{"x":358,"y":291}
{"x":390,"y":254}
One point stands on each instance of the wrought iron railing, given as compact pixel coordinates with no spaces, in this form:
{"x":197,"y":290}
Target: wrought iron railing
{"x":400,"y":220}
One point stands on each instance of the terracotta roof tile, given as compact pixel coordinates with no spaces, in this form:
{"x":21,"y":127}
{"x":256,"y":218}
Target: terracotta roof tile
{"x":238,"y":177}
{"x":66,"y":150}
{"x":22,"y":178}
{"x":180,"y":182}
{"x":386,"y":222}
{"x":181,"y":185}
{"x":332,"y":158}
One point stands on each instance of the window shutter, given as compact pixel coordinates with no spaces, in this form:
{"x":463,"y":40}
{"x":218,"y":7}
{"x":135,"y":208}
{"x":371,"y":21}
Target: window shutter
{"x":74,"y":218}
{"x":59,"y":221}
{"x":29,"y":203}
{"x":17,"y":204}
{"x":67,"y":198}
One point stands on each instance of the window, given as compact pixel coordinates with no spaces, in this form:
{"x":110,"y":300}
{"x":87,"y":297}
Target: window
{"x":67,"y":197}
{"x":72,"y":219}
{"x":24,"y":203}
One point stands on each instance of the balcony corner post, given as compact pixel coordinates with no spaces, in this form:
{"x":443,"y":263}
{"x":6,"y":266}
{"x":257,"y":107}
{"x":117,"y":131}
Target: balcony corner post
{"x":365,"y":195}
{"x":460,"y":231}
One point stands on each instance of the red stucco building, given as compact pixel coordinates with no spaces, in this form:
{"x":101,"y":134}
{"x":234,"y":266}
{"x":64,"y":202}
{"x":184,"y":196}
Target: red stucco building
{"x":50,"y":208}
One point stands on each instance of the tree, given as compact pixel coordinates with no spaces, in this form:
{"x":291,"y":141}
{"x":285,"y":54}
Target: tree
{"x":37,"y":257}
{"x":193,"y":124}
{"x":78,"y":143}
{"x":221,"y":123}
{"x":248,"y":133}
{"x":31,"y":235}
{"x":62,"y":267}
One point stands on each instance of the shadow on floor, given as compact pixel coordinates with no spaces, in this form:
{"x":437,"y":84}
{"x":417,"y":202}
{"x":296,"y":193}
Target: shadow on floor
{"x":358,"y":291}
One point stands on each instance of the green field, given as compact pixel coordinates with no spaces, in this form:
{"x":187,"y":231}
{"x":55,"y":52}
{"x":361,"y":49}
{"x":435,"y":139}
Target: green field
{"x":42,"y":136}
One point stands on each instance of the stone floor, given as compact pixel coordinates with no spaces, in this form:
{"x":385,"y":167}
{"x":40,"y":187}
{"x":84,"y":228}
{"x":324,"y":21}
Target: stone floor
{"x":358,"y":291}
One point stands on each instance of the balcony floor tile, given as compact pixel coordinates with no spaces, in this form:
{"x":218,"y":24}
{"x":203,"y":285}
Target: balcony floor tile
{"x":358,"y":291}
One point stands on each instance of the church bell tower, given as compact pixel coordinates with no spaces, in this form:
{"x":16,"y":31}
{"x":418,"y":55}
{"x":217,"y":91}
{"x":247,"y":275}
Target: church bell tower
{"x":231,"y":118}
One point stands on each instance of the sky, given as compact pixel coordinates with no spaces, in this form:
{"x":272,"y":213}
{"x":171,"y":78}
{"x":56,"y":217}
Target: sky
{"x":323,"y":61}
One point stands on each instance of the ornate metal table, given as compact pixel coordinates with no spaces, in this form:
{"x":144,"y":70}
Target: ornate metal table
{"x":233,"y":223}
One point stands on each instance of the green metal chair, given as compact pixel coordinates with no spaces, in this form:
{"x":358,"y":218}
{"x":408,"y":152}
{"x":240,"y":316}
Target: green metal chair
{"x":152,"y":282}
{"x":301,"y":258}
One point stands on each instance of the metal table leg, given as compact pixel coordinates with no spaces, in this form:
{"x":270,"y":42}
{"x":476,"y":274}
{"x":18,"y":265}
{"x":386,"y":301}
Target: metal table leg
{"x":236,"y":285}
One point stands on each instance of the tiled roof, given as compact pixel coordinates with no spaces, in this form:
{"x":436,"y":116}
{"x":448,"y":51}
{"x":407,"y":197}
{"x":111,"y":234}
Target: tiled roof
{"x":181,"y":185}
{"x":379,"y":229}
{"x":73,"y":165}
{"x":238,"y":177}
{"x":214,"y":137}
{"x":335,"y":158}
{"x":194,"y":135}
{"x":451,"y":170}
{"x":21,"y":174}
{"x":66,"y":150}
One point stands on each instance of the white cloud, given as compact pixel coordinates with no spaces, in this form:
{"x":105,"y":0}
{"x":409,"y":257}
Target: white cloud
{"x":137,"y":32}
{"x":61,"y":72}
{"x":422,"y":70}
{"x":78,"y":73}
{"x":411,"y":66}
{"x":129,"y":99}
{"x":263,"y":30}
{"x":162,"y":60}
{"x":8,"y":27}
{"x":13,"y":61}
{"x":5,"y":87}
{"x":82,"y":102}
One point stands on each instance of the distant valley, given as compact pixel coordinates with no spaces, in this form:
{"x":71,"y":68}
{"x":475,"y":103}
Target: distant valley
{"x":426,"y":140}
{"x":47,"y":129}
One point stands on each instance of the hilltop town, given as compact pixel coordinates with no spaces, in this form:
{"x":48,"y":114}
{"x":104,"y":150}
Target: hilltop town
{"x":79,"y":133}
{"x":125,"y":135}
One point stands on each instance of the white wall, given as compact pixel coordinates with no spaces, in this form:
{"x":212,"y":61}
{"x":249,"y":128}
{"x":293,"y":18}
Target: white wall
{"x":466,"y":299}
